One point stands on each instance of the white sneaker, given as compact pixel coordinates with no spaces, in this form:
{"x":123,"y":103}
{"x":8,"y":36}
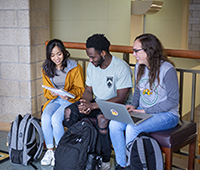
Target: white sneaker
{"x":53,"y":161}
{"x":48,"y":157}
{"x":105,"y":166}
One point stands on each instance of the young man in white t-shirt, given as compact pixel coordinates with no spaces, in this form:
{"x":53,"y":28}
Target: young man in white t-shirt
{"x":108,"y":78}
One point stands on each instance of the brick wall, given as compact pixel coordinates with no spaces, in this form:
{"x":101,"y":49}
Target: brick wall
{"x":194,"y":25}
{"x":24,"y":27}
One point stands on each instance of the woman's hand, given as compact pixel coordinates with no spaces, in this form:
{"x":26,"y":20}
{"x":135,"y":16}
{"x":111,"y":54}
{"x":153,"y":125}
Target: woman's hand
{"x":130,"y":108}
{"x":64,"y":97}
{"x":54,"y":94}
{"x":140,"y":111}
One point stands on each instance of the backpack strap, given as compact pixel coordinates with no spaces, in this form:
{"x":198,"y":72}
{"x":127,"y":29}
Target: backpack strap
{"x":35,"y":123}
{"x":13,"y":134}
{"x":158,"y":155}
{"x":22,"y":138}
{"x":34,"y":167}
{"x":128,"y":151}
{"x":21,"y":131}
{"x":141,"y":152}
{"x":36,"y":129}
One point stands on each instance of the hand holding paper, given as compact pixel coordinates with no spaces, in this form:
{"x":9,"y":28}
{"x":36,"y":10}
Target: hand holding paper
{"x":59,"y":91}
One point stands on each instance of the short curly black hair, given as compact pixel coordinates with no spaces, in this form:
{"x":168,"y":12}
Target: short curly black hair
{"x":99,"y":42}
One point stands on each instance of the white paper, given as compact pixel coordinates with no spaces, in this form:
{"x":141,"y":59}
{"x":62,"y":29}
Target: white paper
{"x":59,"y":91}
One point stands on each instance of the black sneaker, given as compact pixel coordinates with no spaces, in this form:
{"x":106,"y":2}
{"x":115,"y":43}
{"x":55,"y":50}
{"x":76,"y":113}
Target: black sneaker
{"x":118,"y":167}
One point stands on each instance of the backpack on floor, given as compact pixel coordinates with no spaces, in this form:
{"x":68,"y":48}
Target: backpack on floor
{"x":144,"y":153}
{"x":25,"y":140}
{"x":75,"y":145}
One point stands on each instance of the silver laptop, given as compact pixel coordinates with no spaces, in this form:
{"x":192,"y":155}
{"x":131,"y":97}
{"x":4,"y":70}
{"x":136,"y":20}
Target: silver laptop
{"x":118,"y":112}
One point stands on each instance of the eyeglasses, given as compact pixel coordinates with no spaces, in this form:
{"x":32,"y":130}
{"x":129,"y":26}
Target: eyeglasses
{"x":136,"y":50}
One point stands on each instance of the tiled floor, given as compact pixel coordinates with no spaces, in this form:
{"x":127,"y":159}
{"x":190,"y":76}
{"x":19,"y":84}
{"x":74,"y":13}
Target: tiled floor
{"x":180,"y":161}
{"x":6,"y":165}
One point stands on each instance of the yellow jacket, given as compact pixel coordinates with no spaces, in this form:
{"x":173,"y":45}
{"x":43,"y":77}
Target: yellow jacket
{"x":73,"y":83}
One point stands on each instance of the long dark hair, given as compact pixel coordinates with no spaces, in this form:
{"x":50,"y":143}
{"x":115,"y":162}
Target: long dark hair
{"x":155,"y":57}
{"x":49,"y":66}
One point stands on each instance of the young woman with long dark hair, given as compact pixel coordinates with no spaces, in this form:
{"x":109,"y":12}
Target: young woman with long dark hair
{"x":156,"y":93}
{"x":58,"y":71}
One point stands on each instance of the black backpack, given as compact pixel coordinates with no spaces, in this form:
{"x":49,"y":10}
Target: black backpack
{"x":144,"y":153}
{"x":75,"y":145}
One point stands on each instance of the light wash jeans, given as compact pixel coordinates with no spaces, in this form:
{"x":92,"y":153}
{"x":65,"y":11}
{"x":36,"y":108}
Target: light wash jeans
{"x":52,"y":119}
{"x":159,"y":121}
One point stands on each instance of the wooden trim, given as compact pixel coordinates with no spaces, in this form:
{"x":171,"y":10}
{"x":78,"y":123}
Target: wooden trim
{"x":183,"y":53}
{"x":5,"y":126}
{"x":128,"y":49}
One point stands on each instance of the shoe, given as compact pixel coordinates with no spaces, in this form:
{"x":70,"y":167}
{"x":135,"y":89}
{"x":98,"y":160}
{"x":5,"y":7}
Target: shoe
{"x":105,"y":166}
{"x":48,"y":157}
{"x":53,"y":161}
{"x":118,"y":167}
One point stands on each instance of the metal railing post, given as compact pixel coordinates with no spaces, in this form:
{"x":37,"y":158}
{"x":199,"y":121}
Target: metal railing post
{"x":193,"y":96}
{"x":126,"y":57}
{"x":181,"y":94}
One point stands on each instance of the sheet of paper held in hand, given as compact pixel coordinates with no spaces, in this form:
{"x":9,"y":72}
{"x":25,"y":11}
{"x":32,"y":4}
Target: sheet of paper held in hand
{"x":59,"y":91}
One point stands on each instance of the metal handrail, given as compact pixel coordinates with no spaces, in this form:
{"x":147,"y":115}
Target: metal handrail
{"x":194,"y":75}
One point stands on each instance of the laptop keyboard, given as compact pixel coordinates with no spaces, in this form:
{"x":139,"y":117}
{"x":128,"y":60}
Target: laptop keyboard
{"x":135,"y":119}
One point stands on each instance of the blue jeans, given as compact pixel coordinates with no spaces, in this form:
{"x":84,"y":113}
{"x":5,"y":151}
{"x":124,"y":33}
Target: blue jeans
{"x":119,"y":139}
{"x":52,"y":121}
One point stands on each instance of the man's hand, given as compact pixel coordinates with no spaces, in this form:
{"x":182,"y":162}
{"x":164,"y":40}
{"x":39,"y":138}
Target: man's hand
{"x":85,"y":107}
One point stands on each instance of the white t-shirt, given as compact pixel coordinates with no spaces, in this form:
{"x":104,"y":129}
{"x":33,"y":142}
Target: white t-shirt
{"x":106,"y":82}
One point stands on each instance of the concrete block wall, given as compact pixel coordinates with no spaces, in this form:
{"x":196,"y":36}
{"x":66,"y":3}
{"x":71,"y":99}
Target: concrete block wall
{"x":24,"y":28}
{"x":194,"y":25}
